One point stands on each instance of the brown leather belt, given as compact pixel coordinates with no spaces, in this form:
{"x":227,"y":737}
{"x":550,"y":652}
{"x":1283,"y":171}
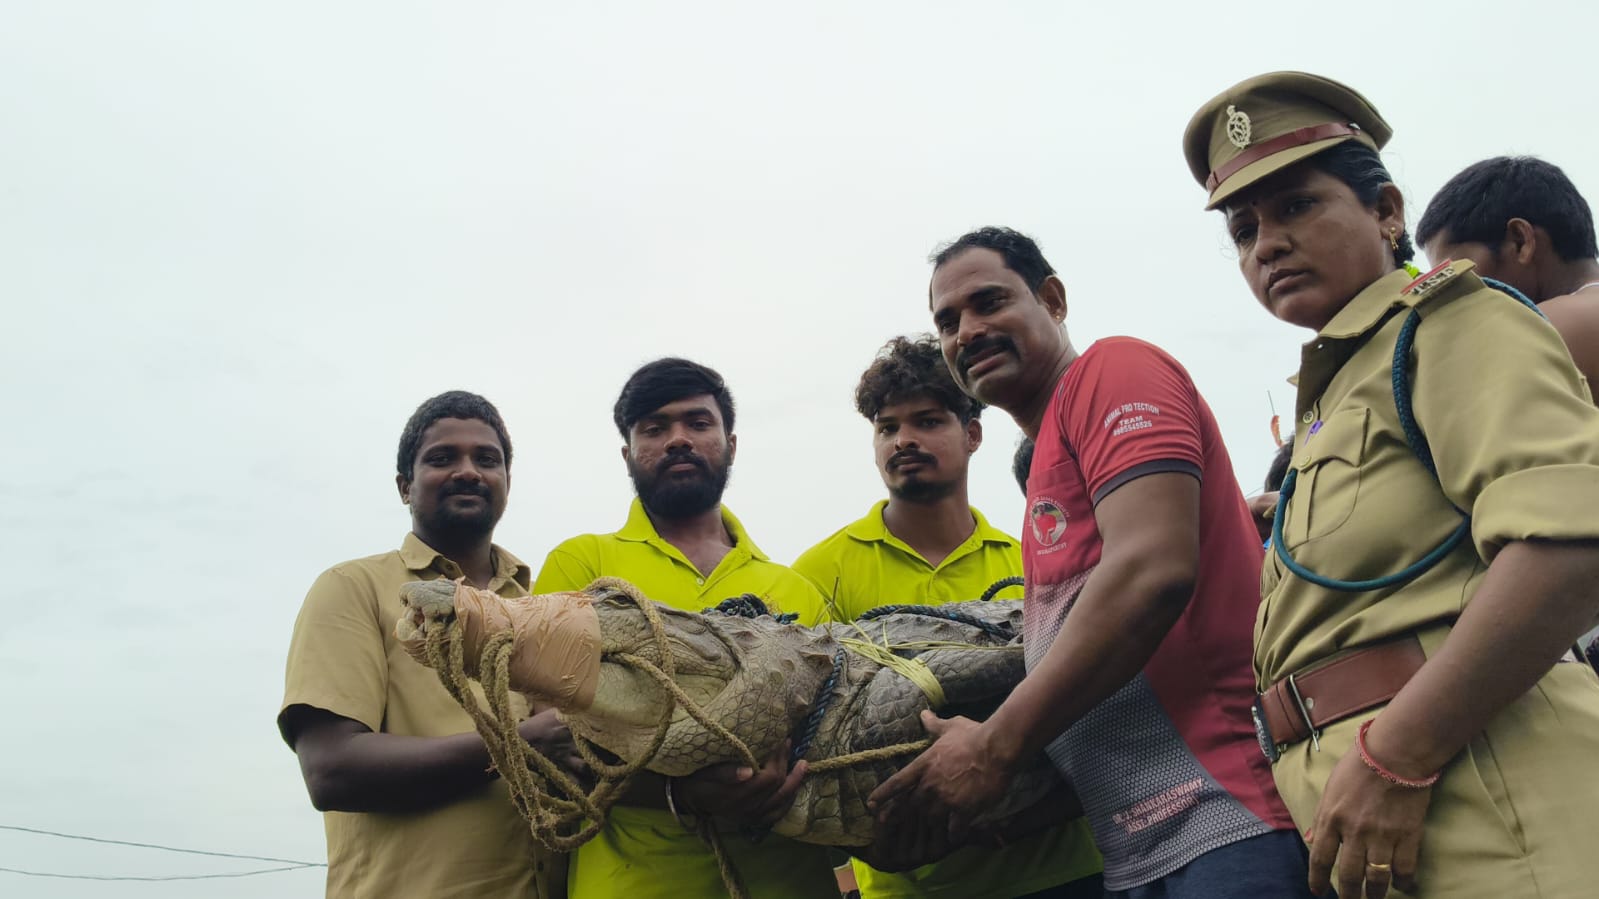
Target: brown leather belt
{"x":1297,"y":707}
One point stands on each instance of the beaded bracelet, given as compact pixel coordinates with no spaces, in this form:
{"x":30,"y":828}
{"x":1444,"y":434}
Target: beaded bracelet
{"x":1384,"y":773}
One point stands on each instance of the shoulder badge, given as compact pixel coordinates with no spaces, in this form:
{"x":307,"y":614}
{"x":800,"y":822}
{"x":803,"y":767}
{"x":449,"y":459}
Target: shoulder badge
{"x":1237,"y":127}
{"x":1432,"y":280}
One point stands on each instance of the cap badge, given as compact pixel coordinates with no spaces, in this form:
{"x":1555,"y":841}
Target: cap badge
{"x":1237,"y":127}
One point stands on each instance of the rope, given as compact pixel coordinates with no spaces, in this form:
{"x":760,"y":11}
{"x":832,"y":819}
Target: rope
{"x":824,"y":700}
{"x":724,"y":862}
{"x":992,"y":628}
{"x":748,"y":605}
{"x":994,"y":588}
{"x":560,"y":814}
{"x":1417,"y":442}
{"x":913,"y":669}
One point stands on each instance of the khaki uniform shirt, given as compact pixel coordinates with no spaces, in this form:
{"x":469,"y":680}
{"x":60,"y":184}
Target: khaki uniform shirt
{"x":343,"y":658}
{"x":1514,"y":434}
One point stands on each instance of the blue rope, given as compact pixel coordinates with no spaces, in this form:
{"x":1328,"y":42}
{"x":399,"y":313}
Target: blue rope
{"x":1418,"y":445}
{"x":1410,"y":572}
{"x":748,"y":606}
{"x":994,"y":629}
{"x":1504,"y":288}
{"x":994,"y":588}
{"x":824,"y":699}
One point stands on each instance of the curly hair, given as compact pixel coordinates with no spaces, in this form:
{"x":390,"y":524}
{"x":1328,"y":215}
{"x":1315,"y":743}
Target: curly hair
{"x":907,"y":368}
{"x":452,"y":404}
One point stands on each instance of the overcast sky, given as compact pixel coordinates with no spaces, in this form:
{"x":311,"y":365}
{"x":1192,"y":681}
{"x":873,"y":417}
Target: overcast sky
{"x":240,"y":242}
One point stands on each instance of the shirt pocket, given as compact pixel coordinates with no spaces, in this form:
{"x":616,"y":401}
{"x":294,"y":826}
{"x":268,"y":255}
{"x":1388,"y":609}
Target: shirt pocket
{"x":1328,"y":479}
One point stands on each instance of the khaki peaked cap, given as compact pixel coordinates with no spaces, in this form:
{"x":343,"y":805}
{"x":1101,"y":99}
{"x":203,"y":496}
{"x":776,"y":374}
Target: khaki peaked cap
{"x":1269,"y":122}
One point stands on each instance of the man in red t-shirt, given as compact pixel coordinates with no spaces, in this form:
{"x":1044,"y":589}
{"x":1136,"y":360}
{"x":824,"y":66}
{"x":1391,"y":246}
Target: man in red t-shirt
{"x":1143,"y":572}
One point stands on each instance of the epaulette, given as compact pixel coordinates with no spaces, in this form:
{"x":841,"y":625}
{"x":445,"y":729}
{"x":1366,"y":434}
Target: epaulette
{"x":1450,"y":278}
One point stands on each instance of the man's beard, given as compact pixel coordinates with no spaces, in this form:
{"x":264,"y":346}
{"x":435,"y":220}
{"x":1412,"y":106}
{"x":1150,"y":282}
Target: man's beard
{"x":675,"y":496}
{"x":464,"y":524}
{"x":919,"y":491}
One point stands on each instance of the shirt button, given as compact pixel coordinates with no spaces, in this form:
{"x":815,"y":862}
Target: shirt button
{"x":700,"y":581}
{"x":1308,"y":417}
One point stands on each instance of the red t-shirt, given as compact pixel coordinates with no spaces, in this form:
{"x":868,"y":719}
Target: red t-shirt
{"x":1168,"y":768}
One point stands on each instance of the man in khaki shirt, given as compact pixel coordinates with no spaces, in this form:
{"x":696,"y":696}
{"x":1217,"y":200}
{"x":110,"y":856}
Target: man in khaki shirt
{"x":413,"y":807}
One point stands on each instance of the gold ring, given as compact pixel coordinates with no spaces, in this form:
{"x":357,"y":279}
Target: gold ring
{"x":1376,"y":866}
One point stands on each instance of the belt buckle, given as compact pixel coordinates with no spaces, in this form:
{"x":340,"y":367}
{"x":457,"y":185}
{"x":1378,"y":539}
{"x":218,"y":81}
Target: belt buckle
{"x":1268,"y":747}
{"x":1304,"y":713}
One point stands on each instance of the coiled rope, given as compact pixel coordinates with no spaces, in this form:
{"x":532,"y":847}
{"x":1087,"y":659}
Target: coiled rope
{"x":991,"y":628}
{"x":1014,"y":580}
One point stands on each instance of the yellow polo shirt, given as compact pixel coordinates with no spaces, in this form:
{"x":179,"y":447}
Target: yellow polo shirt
{"x":642,"y":852}
{"x":343,"y":658}
{"x":864,"y":566}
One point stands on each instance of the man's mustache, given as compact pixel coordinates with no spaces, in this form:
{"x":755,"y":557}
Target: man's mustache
{"x":908,"y":456}
{"x":680,"y":458}
{"x":467,"y":490}
{"x":963,"y":359}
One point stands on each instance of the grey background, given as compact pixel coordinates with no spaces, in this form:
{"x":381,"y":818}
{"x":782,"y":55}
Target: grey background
{"x":239,"y":242}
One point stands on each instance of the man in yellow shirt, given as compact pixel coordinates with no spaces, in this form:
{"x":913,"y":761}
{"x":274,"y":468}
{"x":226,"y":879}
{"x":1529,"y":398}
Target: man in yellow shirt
{"x":682,"y":548}
{"x":413,"y":806}
{"x":925,"y":545}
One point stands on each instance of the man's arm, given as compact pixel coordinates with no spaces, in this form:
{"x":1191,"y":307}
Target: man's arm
{"x":335,"y":695}
{"x":1536,"y":597}
{"x":349,"y":768}
{"x":1145,"y":578}
{"x":1146,"y":574}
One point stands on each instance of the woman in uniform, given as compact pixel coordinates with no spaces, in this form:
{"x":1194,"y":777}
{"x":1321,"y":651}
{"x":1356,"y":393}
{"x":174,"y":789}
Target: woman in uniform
{"x":1437,"y":548}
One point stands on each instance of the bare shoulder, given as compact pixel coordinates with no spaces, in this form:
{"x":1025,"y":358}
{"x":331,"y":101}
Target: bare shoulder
{"x":1576,"y":310}
{"x":1576,"y":317}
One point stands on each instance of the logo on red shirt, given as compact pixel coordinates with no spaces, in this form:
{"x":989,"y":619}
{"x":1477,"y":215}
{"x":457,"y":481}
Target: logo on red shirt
{"x":1048,"y":519}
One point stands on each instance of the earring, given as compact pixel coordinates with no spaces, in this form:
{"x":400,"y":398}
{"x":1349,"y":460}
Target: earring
{"x":1393,"y":237}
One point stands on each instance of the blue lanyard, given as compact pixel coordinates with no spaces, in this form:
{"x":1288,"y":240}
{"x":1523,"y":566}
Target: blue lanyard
{"x":1418,"y":445}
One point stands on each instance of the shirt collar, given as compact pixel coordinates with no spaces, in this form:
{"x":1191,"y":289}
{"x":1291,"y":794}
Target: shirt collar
{"x":1324,"y":355}
{"x":872,"y":529}
{"x":418,"y":556}
{"x":640,"y":529}
{"x":1369,"y":307}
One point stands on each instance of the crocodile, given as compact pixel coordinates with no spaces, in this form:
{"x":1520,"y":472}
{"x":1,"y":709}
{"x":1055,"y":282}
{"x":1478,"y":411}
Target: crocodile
{"x":761,"y":678}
